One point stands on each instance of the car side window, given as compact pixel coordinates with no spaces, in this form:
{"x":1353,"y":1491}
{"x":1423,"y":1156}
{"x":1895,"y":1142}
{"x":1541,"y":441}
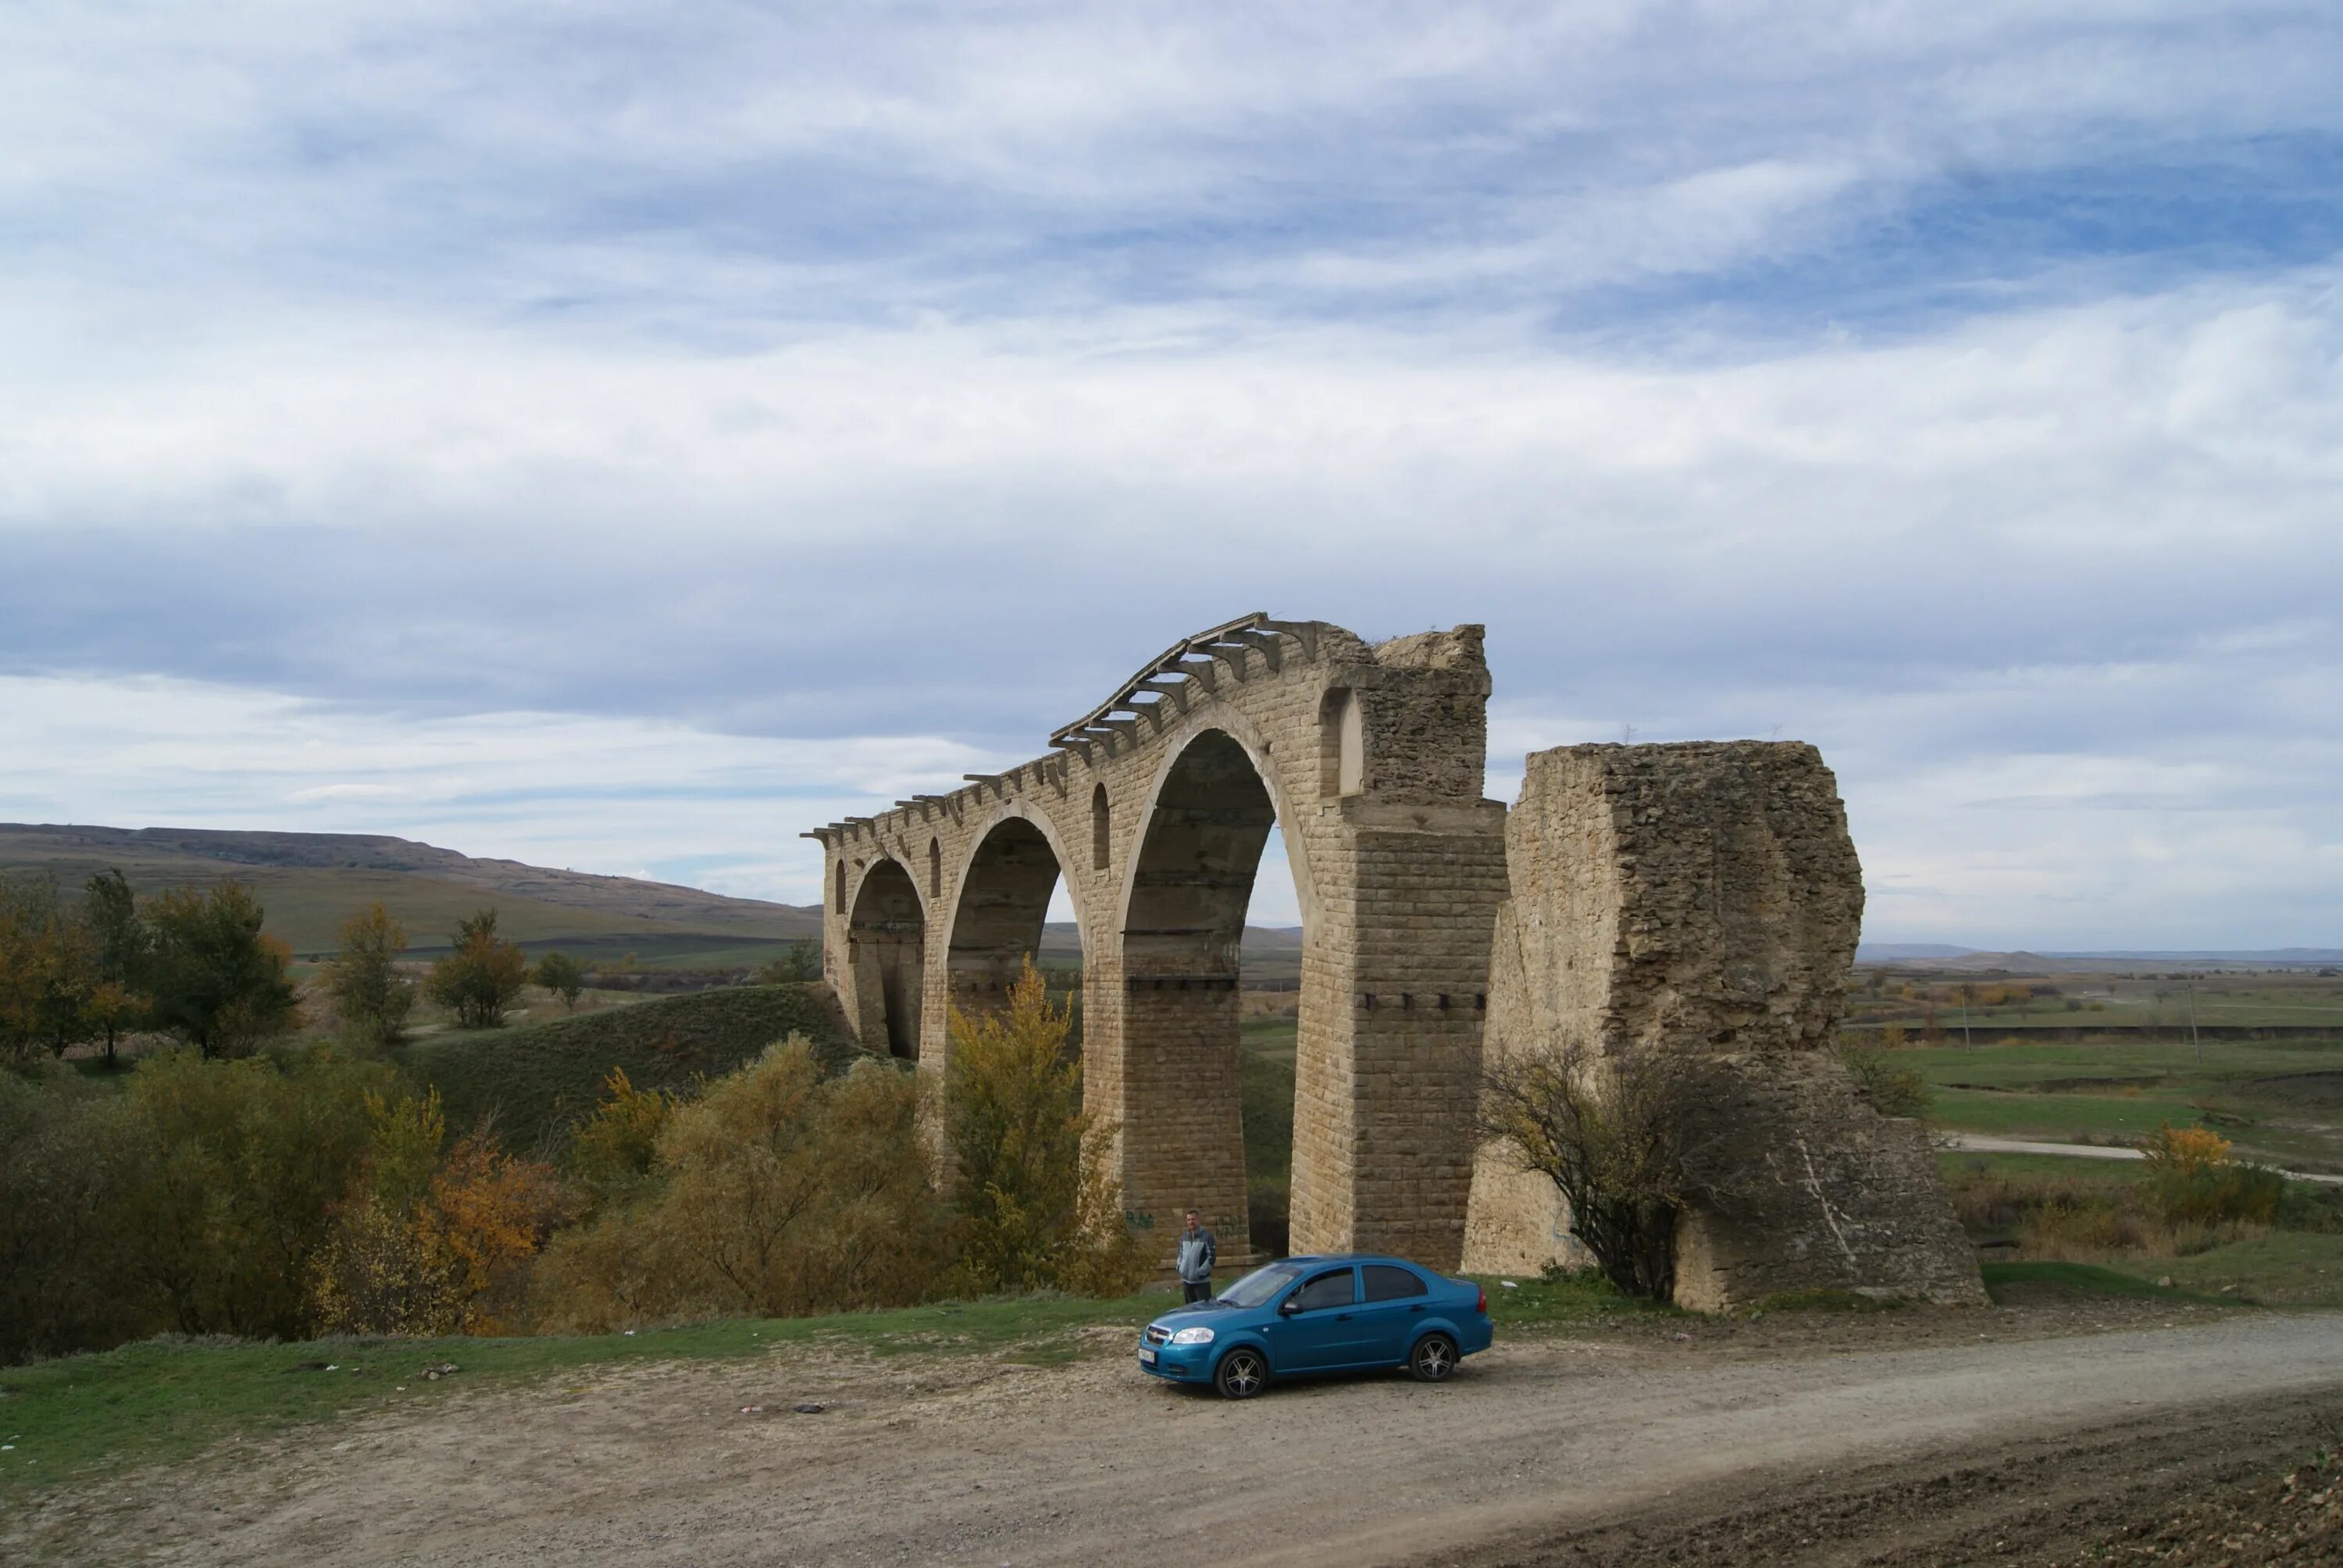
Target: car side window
{"x":1388,"y":1282}
{"x":1334,"y":1289}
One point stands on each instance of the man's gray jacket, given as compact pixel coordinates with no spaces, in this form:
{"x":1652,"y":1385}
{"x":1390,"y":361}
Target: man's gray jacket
{"x":1197,"y":1252}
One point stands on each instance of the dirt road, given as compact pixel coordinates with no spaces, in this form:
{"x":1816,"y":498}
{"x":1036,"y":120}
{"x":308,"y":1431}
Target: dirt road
{"x":1985,"y":1143}
{"x":1592,"y":1450}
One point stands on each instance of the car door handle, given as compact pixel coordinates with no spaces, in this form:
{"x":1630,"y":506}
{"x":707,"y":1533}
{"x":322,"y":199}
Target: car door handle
{"x":1341,"y":1317}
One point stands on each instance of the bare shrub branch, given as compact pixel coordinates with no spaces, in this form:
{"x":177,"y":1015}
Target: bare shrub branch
{"x":1615,"y":1133}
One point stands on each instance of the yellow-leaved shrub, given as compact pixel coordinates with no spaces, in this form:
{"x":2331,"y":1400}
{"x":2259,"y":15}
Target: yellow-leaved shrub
{"x":778,"y":1191}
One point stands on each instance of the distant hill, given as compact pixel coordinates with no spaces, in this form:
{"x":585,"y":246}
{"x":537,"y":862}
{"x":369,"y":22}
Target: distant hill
{"x":1904,"y":953}
{"x":1273,"y":954}
{"x":1937,"y":956}
{"x":310,"y":882}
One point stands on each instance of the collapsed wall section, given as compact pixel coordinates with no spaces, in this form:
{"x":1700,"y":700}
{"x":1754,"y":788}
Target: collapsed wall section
{"x":1706,"y":897}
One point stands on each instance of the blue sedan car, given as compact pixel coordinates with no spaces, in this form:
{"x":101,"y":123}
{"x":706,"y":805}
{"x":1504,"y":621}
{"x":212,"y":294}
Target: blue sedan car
{"x":1305,"y":1315}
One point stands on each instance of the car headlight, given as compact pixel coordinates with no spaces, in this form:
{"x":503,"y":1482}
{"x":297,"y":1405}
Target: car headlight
{"x":1192,"y":1337}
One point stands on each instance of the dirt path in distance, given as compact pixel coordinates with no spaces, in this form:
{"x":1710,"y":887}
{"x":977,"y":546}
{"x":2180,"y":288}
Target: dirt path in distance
{"x":1826,"y":1440}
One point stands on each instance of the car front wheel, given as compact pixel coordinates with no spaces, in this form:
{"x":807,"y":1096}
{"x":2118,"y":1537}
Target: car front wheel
{"x":1434,"y":1358}
{"x":1243,"y":1374}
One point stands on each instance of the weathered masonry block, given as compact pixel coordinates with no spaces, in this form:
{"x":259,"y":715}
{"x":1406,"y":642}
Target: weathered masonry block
{"x":1706,"y":898}
{"x":1155,"y":808}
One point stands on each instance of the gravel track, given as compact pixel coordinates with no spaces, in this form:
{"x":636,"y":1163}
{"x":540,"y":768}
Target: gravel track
{"x":1854,"y":1440}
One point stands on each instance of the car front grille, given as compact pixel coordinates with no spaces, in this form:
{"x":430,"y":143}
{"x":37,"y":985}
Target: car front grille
{"x":1156,"y":1336}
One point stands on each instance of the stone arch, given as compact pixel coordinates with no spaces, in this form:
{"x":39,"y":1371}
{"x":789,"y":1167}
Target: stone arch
{"x":935,"y":868}
{"x":1102,"y":829}
{"x":1230,"y":725}
{"x":887,"y":957}
{"x":1193,"y":860}
{"x":1001,"y":905}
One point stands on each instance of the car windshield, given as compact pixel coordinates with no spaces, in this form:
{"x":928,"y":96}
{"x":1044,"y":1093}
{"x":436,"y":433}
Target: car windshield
{"x":1260,"y":1285}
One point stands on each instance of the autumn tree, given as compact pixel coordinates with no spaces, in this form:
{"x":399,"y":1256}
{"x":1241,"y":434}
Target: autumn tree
{"x":780,"y":1191}
{"x":612,"y":1154}
{"x":68,"y":1258}
{"x":1038,"y":1201}
{"x":479,"y":979}
{"x":120,"y":951}
{"x":364,"y":979}
{"x":247,"y":1167}
{"x":562,"y":975}
{"x":2194,"y":1178}
{"x":433,"y":1245}
{"x":218,"y":982}
{"x":47,"y":969}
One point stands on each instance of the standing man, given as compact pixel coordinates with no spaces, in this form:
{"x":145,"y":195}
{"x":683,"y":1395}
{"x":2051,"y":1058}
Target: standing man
{"x":1197,"y":1251}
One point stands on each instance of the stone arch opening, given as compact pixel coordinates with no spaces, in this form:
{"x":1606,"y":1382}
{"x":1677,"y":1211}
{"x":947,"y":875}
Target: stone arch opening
{"x":1004,"y":903}
{"x":887,"y":943}
{"x":935,"y":868}
{"x":1102,"y":829}
{"x":1190,"y":888}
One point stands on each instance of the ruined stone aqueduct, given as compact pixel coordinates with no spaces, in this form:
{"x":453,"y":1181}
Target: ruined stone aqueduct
{"x":1701,"y":896}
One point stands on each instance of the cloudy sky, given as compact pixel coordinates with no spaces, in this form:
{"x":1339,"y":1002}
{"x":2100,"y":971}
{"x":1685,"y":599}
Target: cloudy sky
{"x":620,"y":438}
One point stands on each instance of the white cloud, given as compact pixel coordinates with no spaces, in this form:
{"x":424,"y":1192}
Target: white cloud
{"x":483,"y":422}
{"x":608,"y":795}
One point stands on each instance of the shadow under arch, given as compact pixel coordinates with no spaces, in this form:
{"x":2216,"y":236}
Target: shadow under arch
{"x":1184,"y":903}
{"x":886,"y":951}
{"x":1002,"y":907}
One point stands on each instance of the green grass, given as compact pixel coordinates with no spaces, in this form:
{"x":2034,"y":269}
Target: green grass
{"x":1956,"y":1165}
{"x":165,"y":1399}
{"x":1574,"y":1301}
{"x":2283,"y":1267}
{"x":537,"y":1079}
{"x":1265,"y":1065}
{"x":2277,"y":1100}
{"x":2061,"y":1118}
{"x":2074,"y":1280}
{"x":2161,"y":1063}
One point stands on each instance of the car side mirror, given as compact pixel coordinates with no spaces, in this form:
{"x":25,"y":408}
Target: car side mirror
{"x":1288,"y":1307}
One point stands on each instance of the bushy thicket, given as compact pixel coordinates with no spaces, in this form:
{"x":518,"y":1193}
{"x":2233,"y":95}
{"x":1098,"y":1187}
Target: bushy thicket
{"x":2192,"y":1180}
{"x":229,"y":1197}
{"x":778,"y":1191}
{"x":2193,"y":1194}
{"x":309,"y":1191}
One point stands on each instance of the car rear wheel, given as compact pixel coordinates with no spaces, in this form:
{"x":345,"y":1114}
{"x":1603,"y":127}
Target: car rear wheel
{"x":1434,"y":1358}
{"x":1241,"y":1374}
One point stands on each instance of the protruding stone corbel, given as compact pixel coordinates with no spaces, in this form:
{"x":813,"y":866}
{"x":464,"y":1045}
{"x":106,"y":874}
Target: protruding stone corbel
{"x":1271,"y":648}
{"x":1179,"y":693}
{"x":1305,"y":632}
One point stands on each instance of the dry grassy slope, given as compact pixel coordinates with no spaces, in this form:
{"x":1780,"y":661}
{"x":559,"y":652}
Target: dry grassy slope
{"x":310,"y":882}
